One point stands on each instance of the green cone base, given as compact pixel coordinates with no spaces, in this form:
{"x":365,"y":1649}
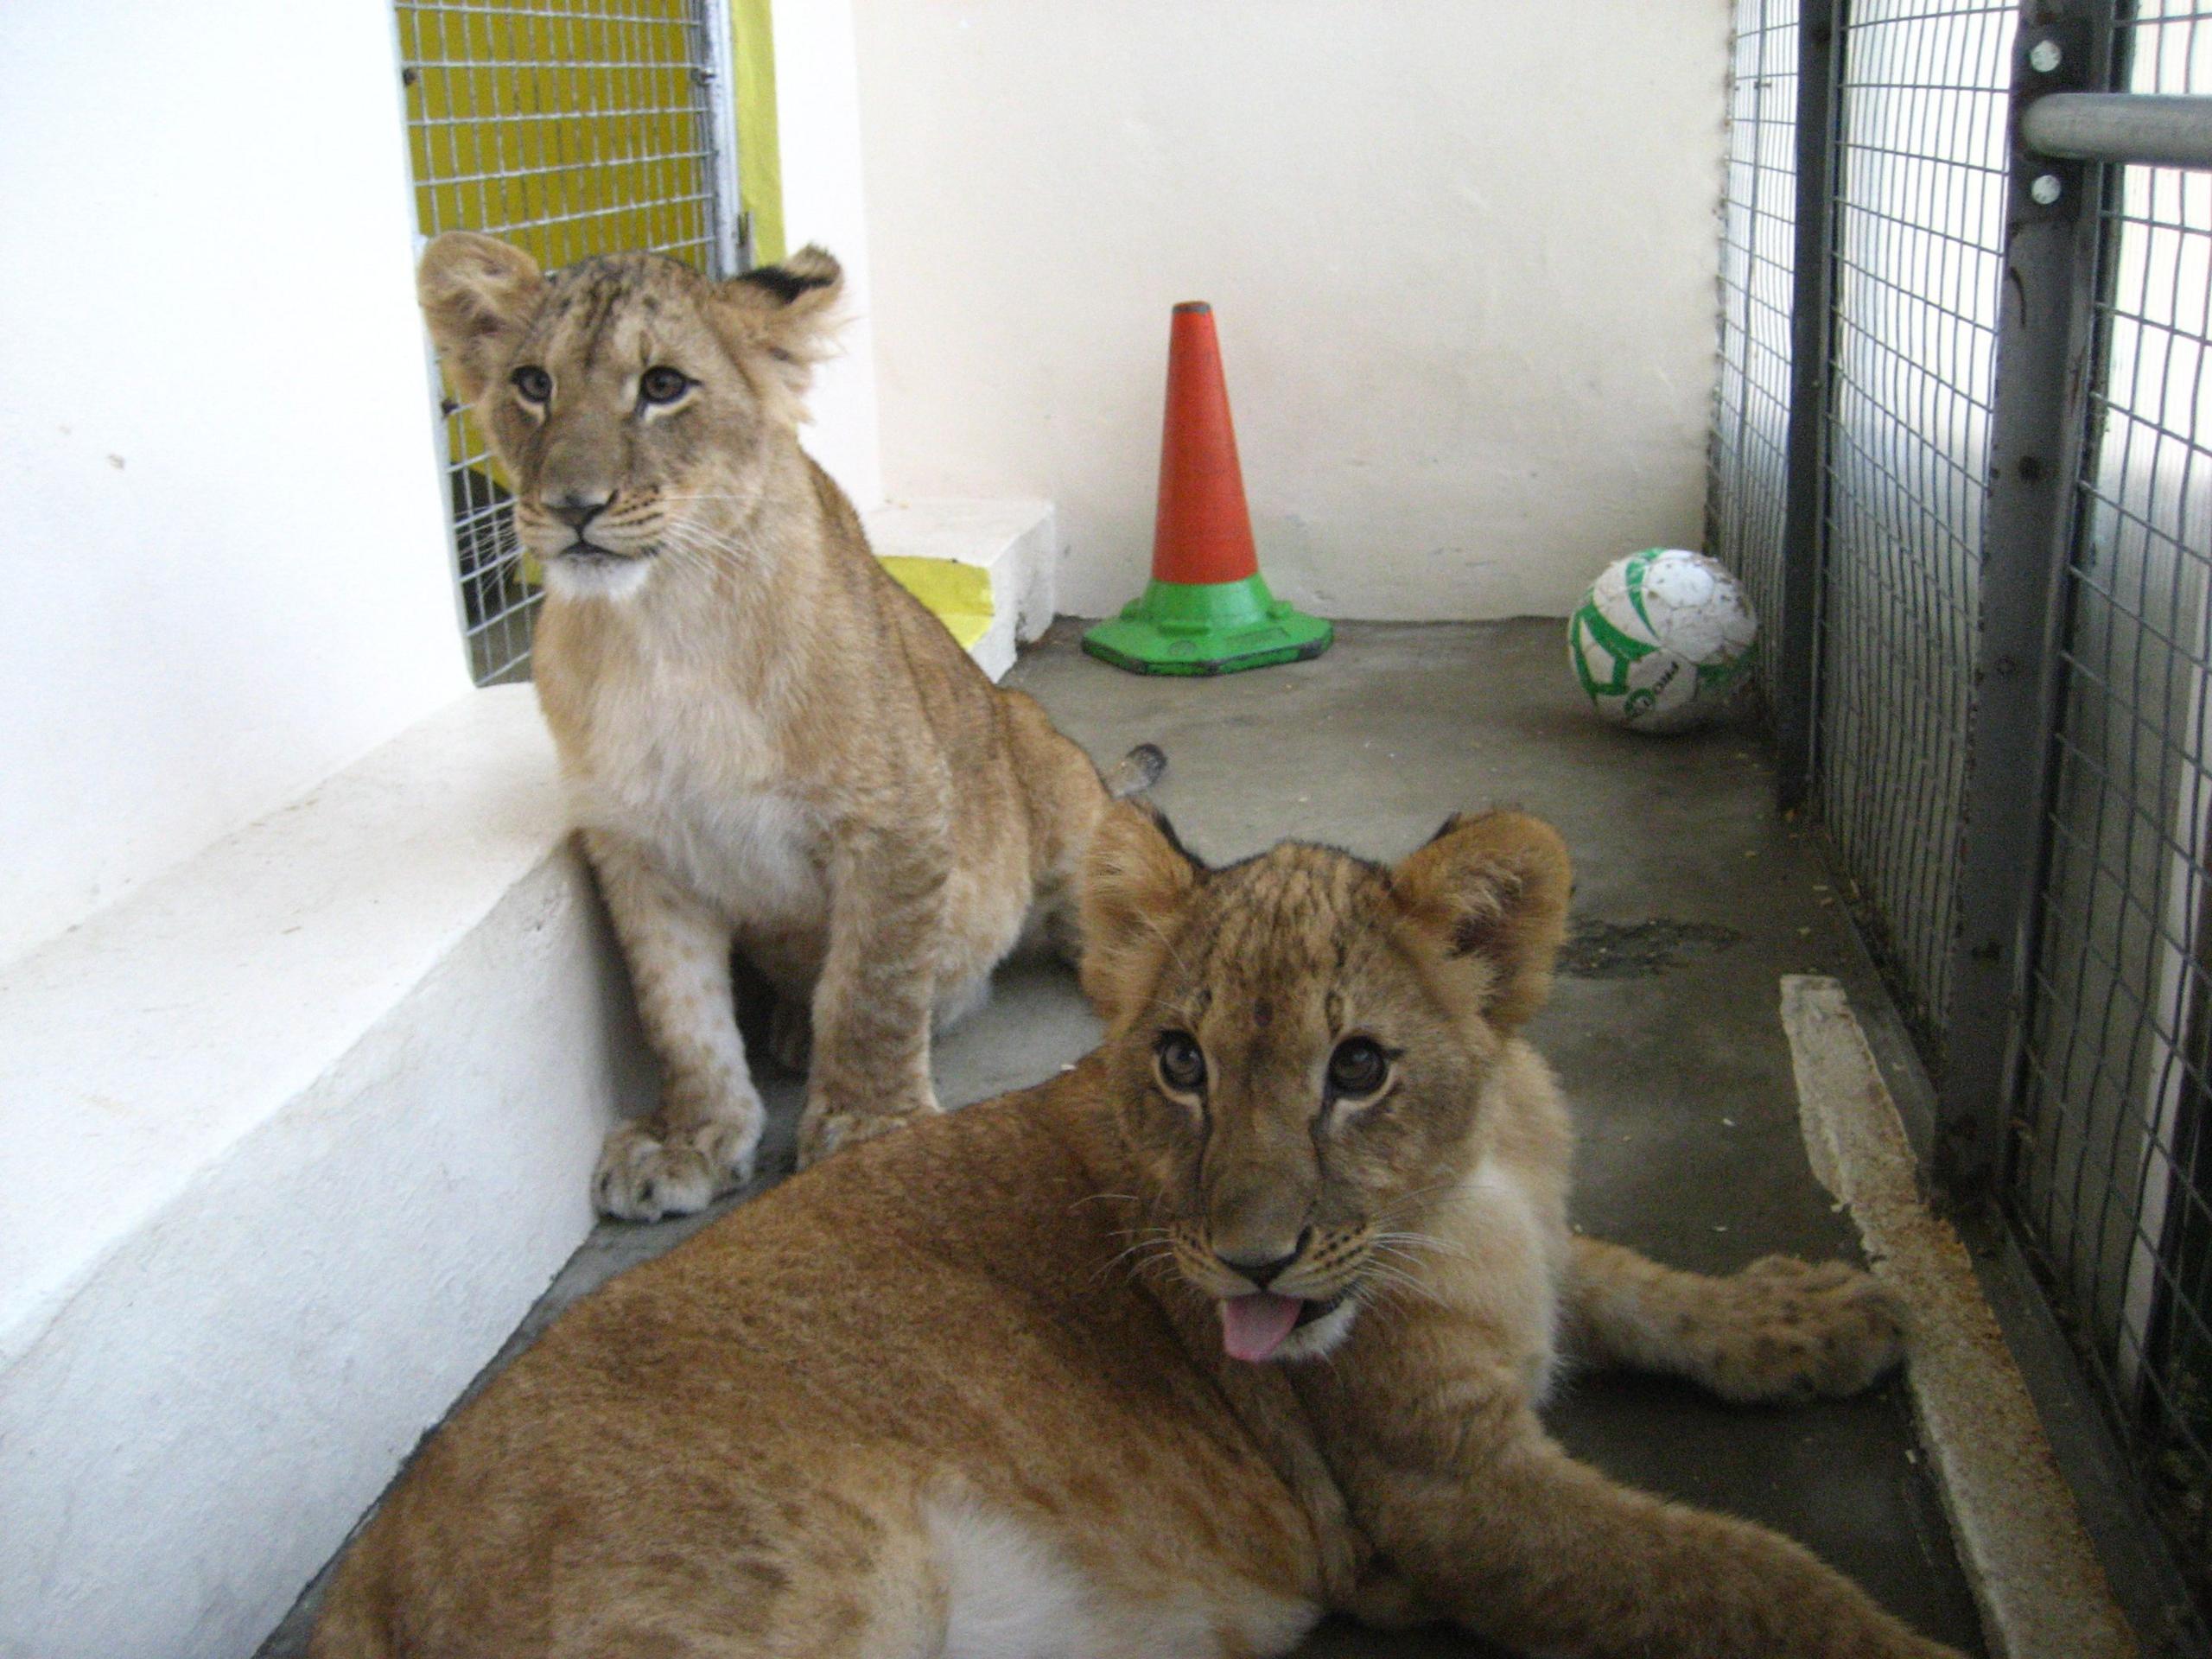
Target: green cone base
{"x":1215,"y":627}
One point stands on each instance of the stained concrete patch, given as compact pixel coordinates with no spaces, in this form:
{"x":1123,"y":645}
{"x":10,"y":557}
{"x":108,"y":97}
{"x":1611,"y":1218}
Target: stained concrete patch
{"x":1603,"y":949}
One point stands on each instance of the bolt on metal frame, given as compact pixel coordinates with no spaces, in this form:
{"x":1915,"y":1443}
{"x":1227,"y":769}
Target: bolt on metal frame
{"x":571,"y":128}
{"x":1990,"y":616}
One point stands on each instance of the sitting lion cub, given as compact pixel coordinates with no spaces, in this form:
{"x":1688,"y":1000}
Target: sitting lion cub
{"x":767,"y":741}
{"x":1245,"y":1319}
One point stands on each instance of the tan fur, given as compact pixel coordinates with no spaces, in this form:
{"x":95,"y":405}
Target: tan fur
{"x":963,"y":1392}
{"x":768,"y":742}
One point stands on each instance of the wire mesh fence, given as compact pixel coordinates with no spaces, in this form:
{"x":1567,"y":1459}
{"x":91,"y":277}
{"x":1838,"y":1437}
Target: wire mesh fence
{"x":1918,"y":237}
{"x":2106,"y":1179}
{"x":1747,"y":466}
{"x":571,"y":128}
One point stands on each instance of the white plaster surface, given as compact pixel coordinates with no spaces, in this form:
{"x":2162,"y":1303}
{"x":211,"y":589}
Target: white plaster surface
{"x":1015,"y":542}
{"x":224,"y":554}
{"x":818,"y":143}
{"x":1462,"y":259}
{"x":295,"y":1135}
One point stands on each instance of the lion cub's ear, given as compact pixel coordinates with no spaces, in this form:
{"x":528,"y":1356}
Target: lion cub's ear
{"x":790,"y":311}
{"x":1136,"y":879}
{"x":1488,"y":897}
{"x":477,"y":294}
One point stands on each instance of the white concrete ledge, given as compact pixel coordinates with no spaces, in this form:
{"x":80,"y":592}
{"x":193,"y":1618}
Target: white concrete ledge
{"x":292,"y":1138}
{"x":2042,"y":1592}
{"x":1017,"y":542}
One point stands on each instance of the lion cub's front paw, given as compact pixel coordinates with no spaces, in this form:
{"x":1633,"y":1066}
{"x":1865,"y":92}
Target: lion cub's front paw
{"x":1792,"y":1330}
{"x":823,"y":1133}
{"x":644,"y":1175}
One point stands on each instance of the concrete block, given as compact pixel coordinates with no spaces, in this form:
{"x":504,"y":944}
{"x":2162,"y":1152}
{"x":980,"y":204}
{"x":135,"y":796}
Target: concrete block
{"x":1017,"y":542}
{"x":295,"y":1135}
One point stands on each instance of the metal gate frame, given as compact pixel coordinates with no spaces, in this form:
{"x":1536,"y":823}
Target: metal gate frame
{"x":2047,"y":357}
{"x":2070,"y":135}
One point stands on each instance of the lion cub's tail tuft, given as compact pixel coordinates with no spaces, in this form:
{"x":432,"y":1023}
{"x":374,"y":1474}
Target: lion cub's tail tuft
{"x":1136,"y":772}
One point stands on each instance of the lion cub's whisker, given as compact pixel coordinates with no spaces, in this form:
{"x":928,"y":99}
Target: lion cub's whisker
{"x":1416,"y":1242}
{"x":1123,"y":1198}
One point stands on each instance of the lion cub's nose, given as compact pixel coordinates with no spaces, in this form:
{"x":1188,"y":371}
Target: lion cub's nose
{"x":576,"y":509}
{"x":1262,"y":1264}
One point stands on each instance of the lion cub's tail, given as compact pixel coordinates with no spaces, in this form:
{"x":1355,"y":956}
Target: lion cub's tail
{"x":1135,"y":772}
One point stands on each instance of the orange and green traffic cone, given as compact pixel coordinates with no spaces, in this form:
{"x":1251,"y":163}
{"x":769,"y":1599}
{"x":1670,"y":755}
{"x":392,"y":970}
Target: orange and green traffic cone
{"x":1207,"y":609}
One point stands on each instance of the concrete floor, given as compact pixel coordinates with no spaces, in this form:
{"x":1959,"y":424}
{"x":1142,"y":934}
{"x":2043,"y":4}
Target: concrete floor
{"x":1692,"y":898}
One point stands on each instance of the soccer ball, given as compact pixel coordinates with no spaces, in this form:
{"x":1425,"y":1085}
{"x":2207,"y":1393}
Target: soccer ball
{"x":1662,"y":639}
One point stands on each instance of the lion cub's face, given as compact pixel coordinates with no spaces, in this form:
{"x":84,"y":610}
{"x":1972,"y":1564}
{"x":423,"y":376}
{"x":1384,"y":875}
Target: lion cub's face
{"x":1300,"y":1044}
{"x":630,"y":399}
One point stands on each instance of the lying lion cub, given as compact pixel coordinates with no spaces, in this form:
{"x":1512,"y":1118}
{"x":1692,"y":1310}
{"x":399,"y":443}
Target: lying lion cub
{"x":767,"y":741}
{"x":1039,"y":1379}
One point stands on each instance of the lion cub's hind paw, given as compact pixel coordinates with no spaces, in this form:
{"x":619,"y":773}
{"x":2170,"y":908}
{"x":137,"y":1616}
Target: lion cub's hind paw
{"x":1793,"y":1330}
{"x":644,"y":1177}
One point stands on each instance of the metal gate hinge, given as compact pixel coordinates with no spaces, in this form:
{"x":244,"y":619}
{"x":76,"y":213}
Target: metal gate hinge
{"x":2047,"y":58}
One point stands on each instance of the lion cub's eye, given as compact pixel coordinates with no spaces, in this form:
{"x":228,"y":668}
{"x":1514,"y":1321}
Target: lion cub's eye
{"x":1359,"y":1067}
{"x":663,"y":386}
{"x":533,"y":383}
{"x":1182,"y":1062}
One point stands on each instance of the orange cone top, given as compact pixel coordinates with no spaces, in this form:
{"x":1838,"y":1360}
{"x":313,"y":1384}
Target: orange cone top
{"x":1203,"y":533}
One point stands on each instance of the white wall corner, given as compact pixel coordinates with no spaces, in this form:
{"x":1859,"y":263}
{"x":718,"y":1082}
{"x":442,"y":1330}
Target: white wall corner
{"x":818,"y":136}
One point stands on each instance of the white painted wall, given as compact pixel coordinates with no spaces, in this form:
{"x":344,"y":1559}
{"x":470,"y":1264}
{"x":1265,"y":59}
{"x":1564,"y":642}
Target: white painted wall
{"x":818,"y":139}
{"x":224,"y":558}
{"x":1462,"y":257}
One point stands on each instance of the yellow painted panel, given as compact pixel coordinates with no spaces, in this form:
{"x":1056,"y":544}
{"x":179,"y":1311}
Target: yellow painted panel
{"x":959,"y":596}
{"x":568,"y":134}
{"x":760,"y":159}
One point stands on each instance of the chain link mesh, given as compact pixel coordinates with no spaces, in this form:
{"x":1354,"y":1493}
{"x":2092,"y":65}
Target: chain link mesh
{"x":1919,"y":235}
{"x":1747,"y":457}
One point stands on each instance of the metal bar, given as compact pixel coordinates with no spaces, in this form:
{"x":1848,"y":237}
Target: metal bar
{"x":2045,"y":361}
{"x":726,"y":253}
{"x":1820,"y":34}
{"x":2145,"y":128}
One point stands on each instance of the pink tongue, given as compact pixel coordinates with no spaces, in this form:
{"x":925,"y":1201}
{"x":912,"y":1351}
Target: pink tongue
{"x":1253,"y":1327}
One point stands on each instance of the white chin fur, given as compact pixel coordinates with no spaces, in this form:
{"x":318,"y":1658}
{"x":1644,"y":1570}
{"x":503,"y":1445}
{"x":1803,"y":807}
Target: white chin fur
{"x":1323,"y":1335}
{"x":596,"y":578}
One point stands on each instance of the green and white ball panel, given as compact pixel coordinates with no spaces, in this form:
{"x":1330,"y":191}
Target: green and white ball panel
{"x":1661,"y":638}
